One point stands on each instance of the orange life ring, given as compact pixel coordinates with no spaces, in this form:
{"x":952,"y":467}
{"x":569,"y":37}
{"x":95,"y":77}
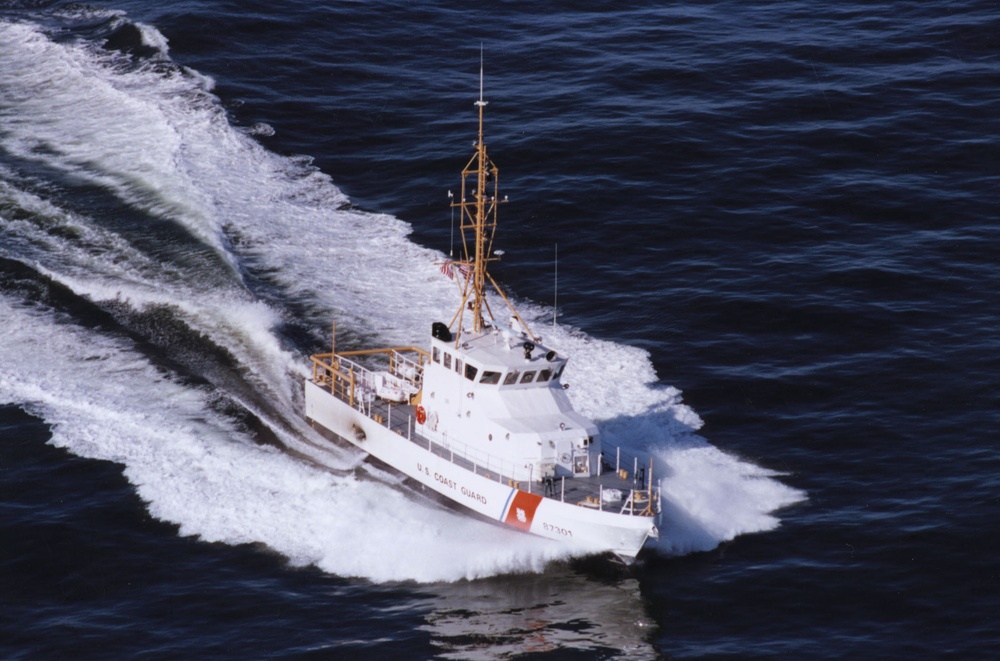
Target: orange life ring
{"x":421,"y":415}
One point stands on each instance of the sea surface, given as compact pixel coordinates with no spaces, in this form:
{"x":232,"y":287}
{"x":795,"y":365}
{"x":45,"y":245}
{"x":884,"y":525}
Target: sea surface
{"x":766,"y":233}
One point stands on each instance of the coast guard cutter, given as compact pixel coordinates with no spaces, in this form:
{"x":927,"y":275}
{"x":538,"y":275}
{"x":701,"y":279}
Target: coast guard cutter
{"x":481,"y":415}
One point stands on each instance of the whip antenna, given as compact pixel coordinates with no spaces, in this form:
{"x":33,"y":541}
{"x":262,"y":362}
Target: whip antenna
{"x":480,"y":102}
{"x":451,"y":203}
{"x":555,"y":297}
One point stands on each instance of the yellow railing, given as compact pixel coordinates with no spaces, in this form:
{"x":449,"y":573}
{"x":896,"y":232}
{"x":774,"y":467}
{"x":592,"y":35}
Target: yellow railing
{"x":343,"y":375}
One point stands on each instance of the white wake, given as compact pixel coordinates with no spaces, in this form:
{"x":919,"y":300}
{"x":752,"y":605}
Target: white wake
{"x":161,"y":142}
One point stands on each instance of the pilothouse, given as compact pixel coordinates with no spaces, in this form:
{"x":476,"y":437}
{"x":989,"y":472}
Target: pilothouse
{"x":503,"y":392}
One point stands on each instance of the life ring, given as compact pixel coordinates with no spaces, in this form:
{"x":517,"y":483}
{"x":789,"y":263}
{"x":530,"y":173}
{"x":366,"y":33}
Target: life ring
{"x":421,"y":415}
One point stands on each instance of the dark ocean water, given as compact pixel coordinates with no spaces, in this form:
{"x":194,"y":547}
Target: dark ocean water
{"x":786,"y":211}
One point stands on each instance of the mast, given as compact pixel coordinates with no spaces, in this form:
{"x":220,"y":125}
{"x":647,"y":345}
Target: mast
{"x":478,"y":226}
{"x":485,"y":167}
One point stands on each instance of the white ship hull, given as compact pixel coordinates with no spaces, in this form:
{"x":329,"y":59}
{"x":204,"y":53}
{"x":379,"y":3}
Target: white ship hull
{"x":589,"y":529}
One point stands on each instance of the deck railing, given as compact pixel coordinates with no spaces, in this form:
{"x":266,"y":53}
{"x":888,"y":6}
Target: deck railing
{"x":356,"y":385}
{"x":348,"y":379}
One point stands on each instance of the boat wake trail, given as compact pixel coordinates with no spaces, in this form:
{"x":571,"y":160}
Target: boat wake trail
{"x":193,"y":256}
{"x":196,"y":468}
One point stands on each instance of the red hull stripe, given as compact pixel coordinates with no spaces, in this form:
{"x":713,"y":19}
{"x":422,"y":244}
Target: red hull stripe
{"x":522,"y":510}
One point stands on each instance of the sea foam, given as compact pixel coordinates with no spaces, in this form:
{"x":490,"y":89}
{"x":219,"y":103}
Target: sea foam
{"x":162,"y":144}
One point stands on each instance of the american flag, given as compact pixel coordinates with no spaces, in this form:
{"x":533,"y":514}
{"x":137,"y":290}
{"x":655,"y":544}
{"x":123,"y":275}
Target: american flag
{"x":448,"y":268}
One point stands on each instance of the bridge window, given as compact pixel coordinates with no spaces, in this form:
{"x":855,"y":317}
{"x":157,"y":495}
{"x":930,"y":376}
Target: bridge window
{"x":511,"y":377}
{"x":458,"y":365}
{"x":470,"y":372}
{"x":528,"y":377}
{"x":490,"y":378}
{"x":447,"y":360}
{"x":544,"y":375}
{"x":437,"y":355}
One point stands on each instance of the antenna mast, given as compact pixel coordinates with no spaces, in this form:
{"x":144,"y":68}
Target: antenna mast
{"x":478,"y":223}
{"x":485,"y":169}
{"x":478,"y":226}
